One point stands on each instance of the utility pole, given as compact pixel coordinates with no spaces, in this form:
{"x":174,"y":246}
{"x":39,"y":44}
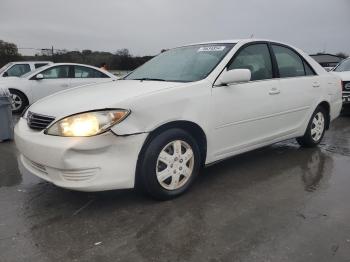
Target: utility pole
{"x":52,"y":54}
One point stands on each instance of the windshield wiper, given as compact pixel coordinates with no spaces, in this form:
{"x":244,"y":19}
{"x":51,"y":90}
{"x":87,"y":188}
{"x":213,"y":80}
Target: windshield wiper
{"x":149,"y":79}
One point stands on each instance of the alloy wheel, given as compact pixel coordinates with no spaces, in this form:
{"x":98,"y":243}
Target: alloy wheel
{"x":175,"y":165}
{"x":317,"y":127}
{"x":16,"y":102}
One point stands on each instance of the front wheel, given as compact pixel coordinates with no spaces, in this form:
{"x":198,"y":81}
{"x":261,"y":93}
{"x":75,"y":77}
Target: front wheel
{"x":315,"y":129}
{"x":169,"y":164}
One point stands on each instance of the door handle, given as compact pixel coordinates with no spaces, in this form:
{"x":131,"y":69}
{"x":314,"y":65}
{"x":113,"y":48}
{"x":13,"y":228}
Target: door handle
{"x":274,"y":91}
{"x":315,"y":84}
{"x":64,"y":85}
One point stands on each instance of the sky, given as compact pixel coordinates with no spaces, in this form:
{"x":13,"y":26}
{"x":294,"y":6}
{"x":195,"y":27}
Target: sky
{"x":147,"y":26}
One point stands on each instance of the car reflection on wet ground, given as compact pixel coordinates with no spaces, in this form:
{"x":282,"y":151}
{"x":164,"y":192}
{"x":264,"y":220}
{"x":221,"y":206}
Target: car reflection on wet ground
{"x":278,"y":203}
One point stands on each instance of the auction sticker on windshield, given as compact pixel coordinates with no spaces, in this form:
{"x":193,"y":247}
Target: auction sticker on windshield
{"x":214,"y":48}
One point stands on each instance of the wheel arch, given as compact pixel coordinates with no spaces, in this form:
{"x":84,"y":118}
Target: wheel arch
{"x":192,"y":128}
{"x":26,"y":101}
{"x":20,"y":91}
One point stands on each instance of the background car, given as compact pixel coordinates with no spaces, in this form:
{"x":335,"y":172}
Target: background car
{"x":50,"y":79}
{"x":188,"y":107}
{"x":343,"y":71}
{"x":328,"y":68}
{"x":20,"y":68}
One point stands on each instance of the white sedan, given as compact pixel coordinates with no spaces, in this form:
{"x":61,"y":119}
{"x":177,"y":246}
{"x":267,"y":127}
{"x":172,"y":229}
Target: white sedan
{"x":50,"y":79}
{"x":188,"y":107}
{"x":343,"y":71}
{"x":20,"y":68}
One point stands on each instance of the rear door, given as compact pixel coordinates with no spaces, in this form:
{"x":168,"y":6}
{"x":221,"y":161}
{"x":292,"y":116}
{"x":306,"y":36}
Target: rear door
{"x":56,"y":78}
{"x":299,"y":86}
{"x":86,"y":75}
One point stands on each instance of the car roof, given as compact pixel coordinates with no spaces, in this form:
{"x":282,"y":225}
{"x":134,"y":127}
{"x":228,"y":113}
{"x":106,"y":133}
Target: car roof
{"x":75,"y":64}
{"x":236,"y":41}
{"x":21,"y":62}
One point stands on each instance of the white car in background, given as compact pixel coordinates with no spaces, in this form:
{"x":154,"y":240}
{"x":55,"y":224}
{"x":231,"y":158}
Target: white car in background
{"x":47,"y":80}
{"x":189,"y":106}
{"x":20,"y":68}
{"x":343,"y":71}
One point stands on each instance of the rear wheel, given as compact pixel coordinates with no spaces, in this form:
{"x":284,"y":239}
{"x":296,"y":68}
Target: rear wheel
{"x":315,"y":130}
{"x":19,"y":101}
{"x":169,"y":164}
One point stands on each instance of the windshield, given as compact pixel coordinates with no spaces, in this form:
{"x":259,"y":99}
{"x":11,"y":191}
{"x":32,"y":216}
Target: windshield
{"x":183,"y":64}
{"x":4,"y":68}
{"x":343,"y":66}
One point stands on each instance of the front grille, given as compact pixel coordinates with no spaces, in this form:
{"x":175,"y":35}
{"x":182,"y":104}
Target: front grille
{"x":79,"y":175}
{"x":346,"y":85}
{"x":38,"y":167}
{"x":38,"y":122}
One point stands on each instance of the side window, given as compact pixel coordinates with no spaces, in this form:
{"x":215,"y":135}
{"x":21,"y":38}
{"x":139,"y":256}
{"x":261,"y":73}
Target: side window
{"x":87,"y":72}
{"x":257,"y":59}
{"x":40,"y":65}
{"x":308,"y":70}
{"x":56,"y":72}
{"x":289,"y":63}
{"x":18,"y":70}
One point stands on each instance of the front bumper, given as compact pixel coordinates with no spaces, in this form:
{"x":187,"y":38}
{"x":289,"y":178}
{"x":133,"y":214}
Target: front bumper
{"x":102,"y":162}
{"x":346,"y":97}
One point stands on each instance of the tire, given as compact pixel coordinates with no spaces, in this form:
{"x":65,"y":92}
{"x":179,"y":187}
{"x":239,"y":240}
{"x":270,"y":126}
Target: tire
{"x":166,"y":166}
{"x":315,"y":129}
{"x":19,"y":101}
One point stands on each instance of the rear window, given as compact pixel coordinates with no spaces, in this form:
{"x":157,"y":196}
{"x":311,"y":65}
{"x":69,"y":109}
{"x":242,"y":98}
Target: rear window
{"x":343,"y":66}
{"x":289,"y":63}
{"x":87,"y":72}
{"x":18,"y":70}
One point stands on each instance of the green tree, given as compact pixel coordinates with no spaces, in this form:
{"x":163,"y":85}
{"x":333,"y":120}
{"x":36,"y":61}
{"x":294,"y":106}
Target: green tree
{"x":342,"y":55}
{"x":8,"y":53}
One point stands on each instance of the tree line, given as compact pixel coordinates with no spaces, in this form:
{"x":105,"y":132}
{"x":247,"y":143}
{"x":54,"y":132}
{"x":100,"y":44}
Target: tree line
{"x":120,"y":60}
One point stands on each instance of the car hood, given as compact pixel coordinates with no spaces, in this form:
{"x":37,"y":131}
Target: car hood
{"x":345,"y":76}
{"x":96,"y":96}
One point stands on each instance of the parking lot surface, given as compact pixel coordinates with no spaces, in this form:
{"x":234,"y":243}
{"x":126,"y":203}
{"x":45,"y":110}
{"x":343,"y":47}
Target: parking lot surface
{"x":278,"y":203}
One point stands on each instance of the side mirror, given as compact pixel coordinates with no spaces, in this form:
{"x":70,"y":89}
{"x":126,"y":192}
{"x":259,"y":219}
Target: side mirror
{"x":5,"y":74}
{"x":39,"y":77}
{"x":234,"y":76}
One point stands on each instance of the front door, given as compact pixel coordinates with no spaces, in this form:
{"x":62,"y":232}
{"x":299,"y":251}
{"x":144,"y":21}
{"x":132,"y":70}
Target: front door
{"x":246,"y":114}
{"x":55,"y":79}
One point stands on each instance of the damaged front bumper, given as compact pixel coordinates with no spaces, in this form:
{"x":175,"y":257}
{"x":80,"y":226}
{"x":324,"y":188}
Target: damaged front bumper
{"x":97,"y":163}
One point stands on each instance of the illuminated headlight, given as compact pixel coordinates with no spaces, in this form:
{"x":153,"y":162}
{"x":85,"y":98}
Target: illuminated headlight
{"x":88,"y":123}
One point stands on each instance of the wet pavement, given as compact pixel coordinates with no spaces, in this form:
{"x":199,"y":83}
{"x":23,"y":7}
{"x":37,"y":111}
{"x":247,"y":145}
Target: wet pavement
{"x":279,"y":203}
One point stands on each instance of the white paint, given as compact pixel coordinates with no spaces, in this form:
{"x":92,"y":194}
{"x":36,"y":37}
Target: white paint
{"x":35,"y":89}
{"x":235,"y":119}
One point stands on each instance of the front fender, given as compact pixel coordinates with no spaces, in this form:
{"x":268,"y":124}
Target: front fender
{"x":23,"y":89}
{"x":187,"y":103}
